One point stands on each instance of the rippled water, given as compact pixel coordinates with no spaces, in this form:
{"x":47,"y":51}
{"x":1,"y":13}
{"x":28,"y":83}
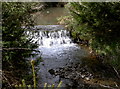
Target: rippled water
{"x":57,"y":50}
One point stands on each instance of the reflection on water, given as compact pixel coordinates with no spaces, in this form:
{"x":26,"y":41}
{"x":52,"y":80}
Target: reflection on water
{"x":49,"y":16}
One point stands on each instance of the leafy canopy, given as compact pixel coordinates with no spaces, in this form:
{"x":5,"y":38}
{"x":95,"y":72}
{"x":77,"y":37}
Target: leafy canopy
{"x":16,"y":45}
{"x":100,"y":24}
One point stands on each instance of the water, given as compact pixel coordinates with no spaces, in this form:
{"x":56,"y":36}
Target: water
{"x":56,"y":47}
{"x":49,"y":16}
{"x":57,"y":50}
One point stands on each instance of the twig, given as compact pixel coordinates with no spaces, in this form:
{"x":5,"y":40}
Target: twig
{"x":106,"y":86}
{"x":16,"y":49}
{"x":116,"y":84}
{"x":116,"y":72}
{"x":6,"y":80}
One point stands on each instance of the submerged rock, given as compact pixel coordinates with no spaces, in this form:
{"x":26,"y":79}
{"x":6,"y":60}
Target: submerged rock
{"x":51,"y":71}
{"x":83,"y":77}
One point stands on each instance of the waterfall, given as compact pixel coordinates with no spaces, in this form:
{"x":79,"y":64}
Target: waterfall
{"x":48,"y":36}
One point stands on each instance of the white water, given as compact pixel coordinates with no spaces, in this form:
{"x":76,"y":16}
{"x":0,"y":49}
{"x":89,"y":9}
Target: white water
{"x":51,"y":35}
{"x":57,"y":50}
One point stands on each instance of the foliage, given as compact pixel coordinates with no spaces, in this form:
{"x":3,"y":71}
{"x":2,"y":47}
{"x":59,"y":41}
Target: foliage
{"x":16,"y":46}
{"x":65,"y":20}
{"x":99,"y":23}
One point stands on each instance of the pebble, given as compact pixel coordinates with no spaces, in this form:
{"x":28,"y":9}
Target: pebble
{"x":87,"y":78}
{"x":83,"y":76}
{"x":48,"y":11}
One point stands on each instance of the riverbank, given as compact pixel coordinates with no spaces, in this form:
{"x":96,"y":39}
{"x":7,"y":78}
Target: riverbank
{"x":89,"y":74}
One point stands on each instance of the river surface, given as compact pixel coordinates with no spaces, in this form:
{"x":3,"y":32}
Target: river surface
{"x":56,"y":47}
{"x":49,"y":16}
{"x":57,"y":51}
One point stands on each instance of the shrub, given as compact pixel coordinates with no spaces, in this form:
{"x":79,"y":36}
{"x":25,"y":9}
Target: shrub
{"x":99,"y":23}
{"x":16,"y":46}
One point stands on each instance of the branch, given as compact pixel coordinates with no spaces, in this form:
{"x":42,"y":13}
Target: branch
{"x":16,"y":49}
{"x":6,"y":79}
{"x":105,"y":86}
{"x":116,"y":72}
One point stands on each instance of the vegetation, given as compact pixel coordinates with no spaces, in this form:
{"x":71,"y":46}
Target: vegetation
{"x":23,"y":85}
{"x":99,"y":23}
{"x":16,"y":46}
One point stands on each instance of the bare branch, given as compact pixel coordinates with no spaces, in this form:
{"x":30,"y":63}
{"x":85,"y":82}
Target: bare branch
{"x":16,"y":49}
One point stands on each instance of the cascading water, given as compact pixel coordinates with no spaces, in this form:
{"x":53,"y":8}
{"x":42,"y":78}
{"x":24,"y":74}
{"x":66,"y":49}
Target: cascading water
{"x":51,"y":35}
{"x":57,"y":50}
{"x":53,"y":38}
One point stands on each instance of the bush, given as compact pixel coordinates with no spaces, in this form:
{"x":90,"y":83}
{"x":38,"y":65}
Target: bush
{"x":99,"y":23}
{"x":16,"y":46}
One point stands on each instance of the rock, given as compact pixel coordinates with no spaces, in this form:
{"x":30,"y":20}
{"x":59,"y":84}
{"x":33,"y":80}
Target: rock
{"x":62,"y":76}
{"x":43,"y":64}
{"x":48,"y":12}
{"x":83,"y":76}
{"x":87,"y":78}
{"x":51,"y":71}
{"x":96,"y":82}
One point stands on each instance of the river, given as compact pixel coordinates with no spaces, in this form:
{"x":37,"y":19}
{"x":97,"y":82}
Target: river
{"x":57,"y":49}
{"x":49,"y":16}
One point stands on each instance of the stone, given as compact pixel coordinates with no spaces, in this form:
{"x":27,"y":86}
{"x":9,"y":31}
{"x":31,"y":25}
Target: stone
{"x":51,"y":71}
